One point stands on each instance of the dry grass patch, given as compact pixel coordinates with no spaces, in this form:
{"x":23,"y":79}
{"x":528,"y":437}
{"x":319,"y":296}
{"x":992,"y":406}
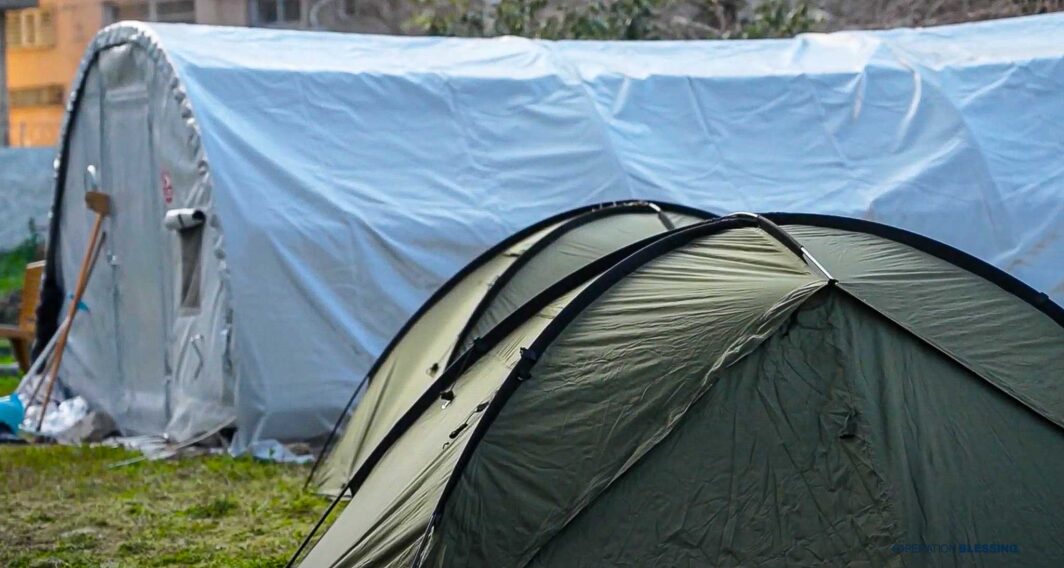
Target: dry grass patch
{"x":64,"y":506}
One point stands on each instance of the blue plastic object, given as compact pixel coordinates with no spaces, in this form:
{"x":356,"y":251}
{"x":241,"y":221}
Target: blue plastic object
{"x":11,"y":412}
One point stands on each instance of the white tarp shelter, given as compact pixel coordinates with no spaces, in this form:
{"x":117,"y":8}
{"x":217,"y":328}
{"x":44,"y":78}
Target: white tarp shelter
{"x":342,"y":178}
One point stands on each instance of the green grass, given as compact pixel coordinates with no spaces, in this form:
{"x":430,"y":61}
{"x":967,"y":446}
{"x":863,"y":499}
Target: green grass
{"x":63,"y":506}
{"x":8,"y":385}
{"x":13,"y":265}
{"x":12,"y":271}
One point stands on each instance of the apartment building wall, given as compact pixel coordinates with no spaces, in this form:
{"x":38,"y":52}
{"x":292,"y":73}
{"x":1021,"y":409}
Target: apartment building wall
{"x":41,"y":64}
{"x":40,"y":72}
{"x":222,"y":12}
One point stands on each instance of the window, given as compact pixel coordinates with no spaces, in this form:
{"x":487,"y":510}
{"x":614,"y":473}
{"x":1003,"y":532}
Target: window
{"x":276,"y":13}
{"x":191,"y":248}
{"x":188,"y":224}
{"x":180,"y":11}
{"x":49,"y":95}
{"x":135,"y":11}
{"x":34,"y":27}
{"x":174,"y":11}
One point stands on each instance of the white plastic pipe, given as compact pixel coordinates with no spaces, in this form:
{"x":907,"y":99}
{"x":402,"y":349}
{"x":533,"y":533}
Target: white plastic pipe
{"x":177,"y":219}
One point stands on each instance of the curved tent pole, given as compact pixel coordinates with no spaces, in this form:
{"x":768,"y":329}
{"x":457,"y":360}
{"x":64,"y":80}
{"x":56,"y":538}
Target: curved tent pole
{"x":644,"y":252}
{"x":671,"y":241}
{"x":466,"y":359}
{"x":1000,"y":278}
{"x":954,"y":257}
{"x":669,"y":225}
{"x":585,"y":214}
{"x":790,"y":242}
{"x":436,"y":296}
{"x":661,"y":245}
{"x":605,"y":210}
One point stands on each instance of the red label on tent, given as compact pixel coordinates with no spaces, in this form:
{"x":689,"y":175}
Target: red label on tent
{"x":168,"y":188}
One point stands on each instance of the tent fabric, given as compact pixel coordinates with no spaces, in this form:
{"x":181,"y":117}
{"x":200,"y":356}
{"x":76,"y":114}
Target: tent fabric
{"x":419,"y":352}
{"x":352,"y":175}
{"x":143,"y":352}
{"x":751,"y":468}
{"x":616,"y":382}
{"x":935,"y":300}
{"x":569,"y":249}
{"x":490,"y":289}
{"x":735,"y":392}
{"x":26,"y":184}
{"x":393,"y":503}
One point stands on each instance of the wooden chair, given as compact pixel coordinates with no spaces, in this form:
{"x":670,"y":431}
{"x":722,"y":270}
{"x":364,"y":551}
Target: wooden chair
{"x":21,"y":334}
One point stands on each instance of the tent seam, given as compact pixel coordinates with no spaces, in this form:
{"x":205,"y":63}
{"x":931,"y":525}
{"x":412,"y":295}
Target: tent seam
{"x":953,"y":357}
{"x":721,"y":365}
{"x":561,"y":321}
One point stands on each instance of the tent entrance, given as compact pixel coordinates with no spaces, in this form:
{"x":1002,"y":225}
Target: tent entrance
{"x":138,"y":257}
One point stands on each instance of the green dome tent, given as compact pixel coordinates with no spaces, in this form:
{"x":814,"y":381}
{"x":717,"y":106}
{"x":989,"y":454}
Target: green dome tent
{"x":788,"y":389}
{"x":471,"y":303}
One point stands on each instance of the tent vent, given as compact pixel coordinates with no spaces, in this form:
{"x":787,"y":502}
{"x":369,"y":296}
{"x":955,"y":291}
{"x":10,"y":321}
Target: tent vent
{"x":849,"y":428}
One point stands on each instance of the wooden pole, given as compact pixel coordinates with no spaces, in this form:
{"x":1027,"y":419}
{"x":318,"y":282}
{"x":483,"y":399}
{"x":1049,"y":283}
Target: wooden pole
{"x":101,"y":204}
{"x":45,"y":357}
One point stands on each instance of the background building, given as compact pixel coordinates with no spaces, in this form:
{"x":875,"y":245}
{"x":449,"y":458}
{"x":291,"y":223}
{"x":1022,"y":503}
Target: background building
{"x":45,"y":44}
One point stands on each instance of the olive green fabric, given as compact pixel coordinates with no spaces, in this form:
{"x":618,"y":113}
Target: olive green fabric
{"x":995,"y":334}
{"x":966,"y":462}
{"x":423,"y":352}
{"x":389,"y":512}
{"x":616,"y":382}
{"x":725,"y":404}
{"x":411,"y":365}
{"x":571,"y":250}
{"x":677,"y":219}
{"x":839,"y":439}
{"x":756,"y":474}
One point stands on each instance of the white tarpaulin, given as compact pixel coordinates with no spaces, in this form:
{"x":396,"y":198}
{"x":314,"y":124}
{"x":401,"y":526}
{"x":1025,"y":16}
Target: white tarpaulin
{"x":351,"y":175}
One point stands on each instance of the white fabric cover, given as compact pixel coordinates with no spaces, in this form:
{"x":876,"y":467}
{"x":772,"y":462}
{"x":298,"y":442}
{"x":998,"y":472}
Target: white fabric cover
{"x":353,"y":174}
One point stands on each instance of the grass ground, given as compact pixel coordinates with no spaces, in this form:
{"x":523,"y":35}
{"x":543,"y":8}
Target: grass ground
{"x":65,"y":506}
{"x":12,"y":266}
{"x":12,"y":269}
{"x":8,"y":384}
